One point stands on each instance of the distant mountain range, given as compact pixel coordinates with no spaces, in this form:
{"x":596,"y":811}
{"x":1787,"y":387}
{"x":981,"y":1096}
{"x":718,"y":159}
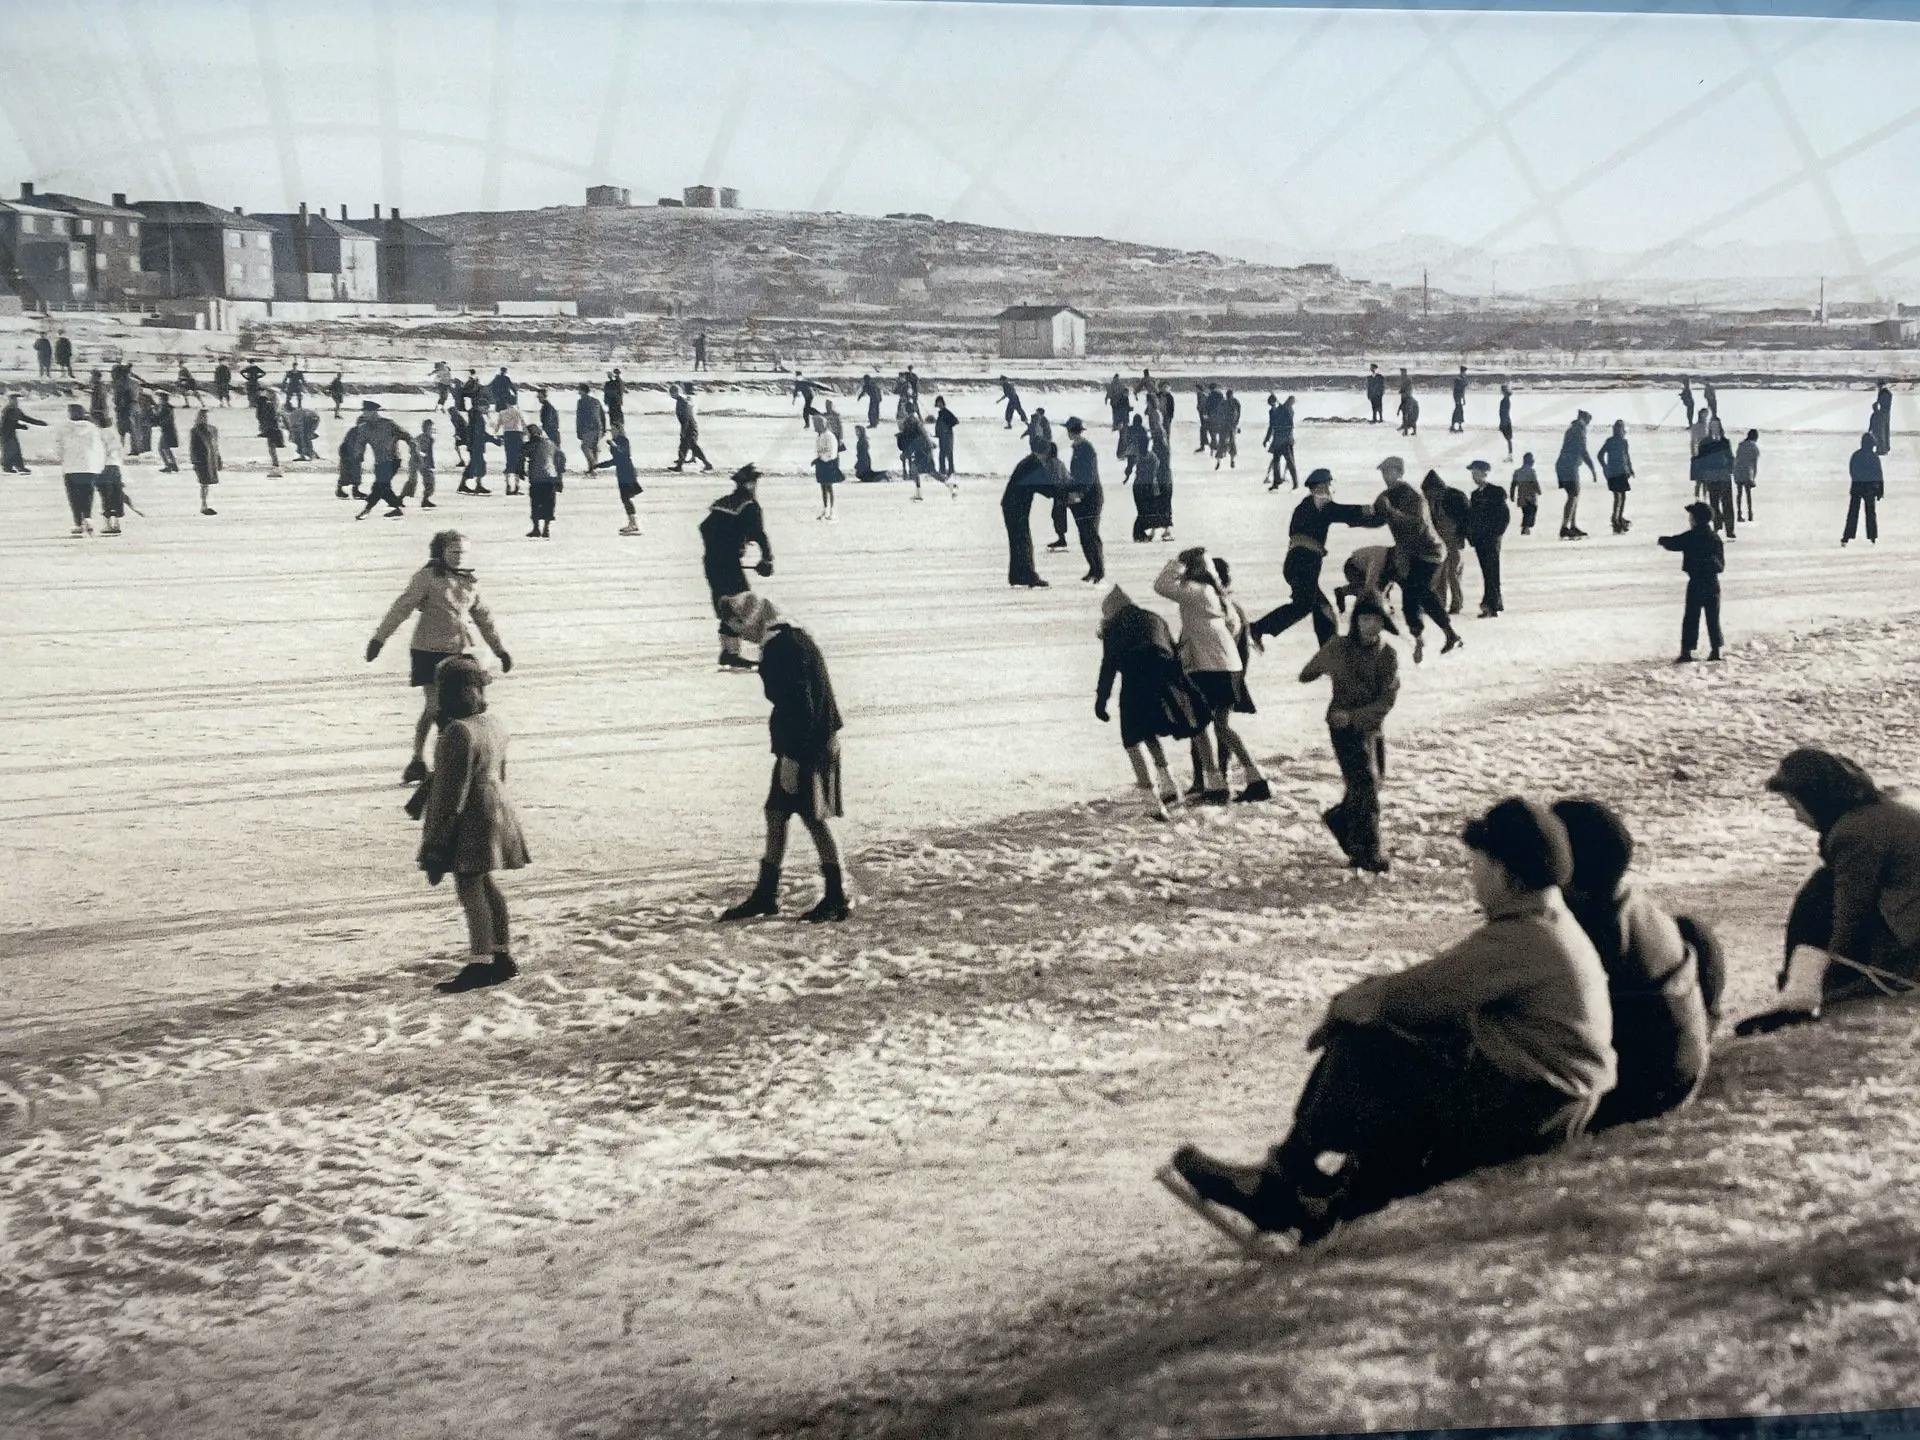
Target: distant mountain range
{"x":1738,"y":273}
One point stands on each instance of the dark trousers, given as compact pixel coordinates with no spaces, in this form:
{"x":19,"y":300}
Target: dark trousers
{"x":689,"y":449}
{"x":1086,"y":519}
{"x":80,"y":497}
{"x":1378,"y":404}
{"x":1703,"y":598}
{"x":1488,"y":553}
{"x":1014,"y":407}
{"x":113,"y":493}
{"x":1017,"y":514}
{"x":1362,"y":755}
{"x":1529,"y":512}
{"x":46,"y":369}
{"x":1720,"y":498}
{"x":11,"y":460}
{"x":946,"y":455}
{"x":516,"y":447}
{"x":540,"y":499}
{"x":1059,"y":516}
{"x":1411,"y":1110}
{"x":1418,"y":596}
{"x":1301,"y":570}
{"x":1854,"y":501}
{"x":873,"y":411}
{"x":1142,"y":508}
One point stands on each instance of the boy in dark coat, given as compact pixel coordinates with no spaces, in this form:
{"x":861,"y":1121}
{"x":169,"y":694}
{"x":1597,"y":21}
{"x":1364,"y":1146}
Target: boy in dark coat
{"x":1012,"y":397}
{"x":1450,"y":511}
{"x":1487,"y":520}
{"x":1031,"y":478}
{"x":1086,"y":500}
{"x":1496,"y":1048}
{"x":1866,"y":486}
{"x":732,"y":523}
{"x":1664,"y":972}
{"x":1366,"y":681}
{"x":1307,"y":534}
{"x":12,"y":421}
{"x":943,"y":427}
{"x":1703,"y":557}
{"x":1376,"y":395}
{"x":805,"y":727}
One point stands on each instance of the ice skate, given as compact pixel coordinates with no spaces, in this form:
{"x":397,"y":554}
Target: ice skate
{"x":629,"y":529}
{"x":415,"y":772}
{"x":735,"y":662}
{"x":1256,"y":792}
{"x":1454,"y":642}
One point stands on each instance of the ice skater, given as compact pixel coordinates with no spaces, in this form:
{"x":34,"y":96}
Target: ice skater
{"x":1566,"y":472}
{"x":82,"y":457}
{"x":1418,"y":553}
{"x":1524,"y":491}
{"x":1030,"y":479}
{"x":1012,"y":397}
{"x":111,"y":483}
{"x":1746,"y":474}
{"x":383,"y":439}
{"x":1209,"y":648}
{"x":1313,"y":519}
{"x":1457,"y":424}
{"x":511,"y":428}
{"x":1487,"y":521}
{"x":1365,"y":672}
{"x":1866,"y":485}
{"x":1616,"y":463}
{"x":804,"y":726}
{"x":620,"y":460}
{"x":1506,"y":417}
{"x":420,"y":466}
{"x":446,"y":595}
{"x":944,"y":424}
{"x":689,"y":431}
{"x":203,"y":453}
{"x":589,"y":424}
{"x":304,"y":426}
{"x":12,"y":421}
{"x":543,"y":482}
{"x":1280,"y":442}
{"x":1376,"y":395}
{"x":266,"y":410}
{"x":468,"y":826}
{"x":1703,"y":558}
{"x":732,"y":523}
{"x":1086,"y":499}
{"x":826,"y":466}
{"x":1496,"y":1048}
{"x":1156,"y":702}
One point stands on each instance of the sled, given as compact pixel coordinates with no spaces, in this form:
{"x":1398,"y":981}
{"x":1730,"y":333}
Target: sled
{"x":1251,"y":1243}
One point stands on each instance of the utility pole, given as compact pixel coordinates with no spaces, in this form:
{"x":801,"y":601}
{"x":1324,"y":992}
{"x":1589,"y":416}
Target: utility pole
{"x":1494,"y":293}
{"x":1423,"y":293}
{"x":1823,"y":299}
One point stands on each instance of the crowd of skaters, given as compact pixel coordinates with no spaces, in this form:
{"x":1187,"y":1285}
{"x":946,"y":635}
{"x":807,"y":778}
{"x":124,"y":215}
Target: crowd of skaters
{"x":1578,"y":1004}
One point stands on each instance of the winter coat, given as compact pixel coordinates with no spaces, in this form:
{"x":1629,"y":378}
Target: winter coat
{"x":1703,"y":557}
{"x":1450,"y":510}
{"x":1136,"y":648}
{"x":1746,"y":463}
{"x":1487,"y":515}
{"x":1713,"y":463}
{"x":1874,"y":853}
{"x":589,"y":420}
{"x":1366,"y":679}
{"x":468,"y":826}
{"x":1526,"y":486}
{"x":805,"y":718}
{"x":450,"y":610}
{"x":1405,"y":511}
{"x":1616,"y":459}
{"x":82,"y":451}
{"x":1207,"y":637}
{"x":1865,"y":475}
{"x":1311,"y":522}
{"x":503,"y":391}
{"x":203,"y":443}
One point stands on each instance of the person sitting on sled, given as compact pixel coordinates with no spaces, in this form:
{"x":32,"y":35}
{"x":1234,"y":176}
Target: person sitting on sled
{"x":1854,"y":930}
{"x":1497,"y":1047}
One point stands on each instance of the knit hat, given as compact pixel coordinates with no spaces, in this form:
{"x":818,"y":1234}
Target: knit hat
{"x":1116,"y":600}
{"x":1316,"y":478}
{"x":459,"y":684}
{"x":1700,"y":510}
{"x":1526,"y":840}
{"x":1370,"y":604}
{"x":1601,"y":843}
{"x":752,"y":615}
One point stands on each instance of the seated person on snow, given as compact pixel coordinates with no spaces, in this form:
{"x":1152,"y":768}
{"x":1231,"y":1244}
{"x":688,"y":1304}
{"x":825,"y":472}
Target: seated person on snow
{"x":1854,"y":930}
{"x":1664,"y":972}
{"x":1493,"y":1049}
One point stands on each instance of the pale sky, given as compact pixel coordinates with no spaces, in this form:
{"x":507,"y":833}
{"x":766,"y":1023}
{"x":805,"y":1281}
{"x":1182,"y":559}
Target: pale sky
{"x":1236,"y":130}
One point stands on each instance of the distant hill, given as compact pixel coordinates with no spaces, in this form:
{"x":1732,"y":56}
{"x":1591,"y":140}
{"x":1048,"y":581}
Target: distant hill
{"x":739,"y":262}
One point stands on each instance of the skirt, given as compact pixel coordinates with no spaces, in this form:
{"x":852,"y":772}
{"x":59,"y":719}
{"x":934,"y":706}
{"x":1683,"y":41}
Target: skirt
{"x":1221,"y":692}
{"x":425,"y":662}
{"x":816,"y":792}
{"x":1618,"y":484}
{"x":1158,"y":702}
{"x":827,"y":472}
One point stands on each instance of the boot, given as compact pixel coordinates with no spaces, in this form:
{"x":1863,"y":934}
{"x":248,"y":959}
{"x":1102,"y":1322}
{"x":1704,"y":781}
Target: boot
{"x":1257,"y":791}
{"x":415,"y":772}
{"x":503,"y":967}
{"x":765,"y":899}
{"x":1259,"y":1192}
{"x":474,"y":975}
{"x":833,"y":900}
{"x":1801,"y":984}
{"x":1334,"y":817}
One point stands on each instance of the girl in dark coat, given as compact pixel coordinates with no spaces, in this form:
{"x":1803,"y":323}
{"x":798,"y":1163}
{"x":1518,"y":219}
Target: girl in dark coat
{"x":169,"y":437}
{"x":1664,"y":972}
{"x":468,"y":828}
{"x":1136,"y":648}
{"x":863,"y":457}
{"x":1854,"y":930}
{"x":203,"y":450}
{"x":805,"y":727}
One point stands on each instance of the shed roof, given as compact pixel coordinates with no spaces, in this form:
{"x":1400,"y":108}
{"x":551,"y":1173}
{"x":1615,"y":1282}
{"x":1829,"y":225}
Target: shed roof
{"x":1037,"y":312}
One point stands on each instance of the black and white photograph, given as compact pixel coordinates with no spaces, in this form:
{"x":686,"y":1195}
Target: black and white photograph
{"x":871,"y":719}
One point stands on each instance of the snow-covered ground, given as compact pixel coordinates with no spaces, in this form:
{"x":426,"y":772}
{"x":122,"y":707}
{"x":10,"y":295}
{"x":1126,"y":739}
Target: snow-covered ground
{"x":683,"y":1174}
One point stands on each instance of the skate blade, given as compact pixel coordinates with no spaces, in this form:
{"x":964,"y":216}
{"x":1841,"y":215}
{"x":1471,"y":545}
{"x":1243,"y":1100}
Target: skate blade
{"x":1248,"y":1241}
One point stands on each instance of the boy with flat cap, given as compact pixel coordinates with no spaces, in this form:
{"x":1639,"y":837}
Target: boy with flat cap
{"x":1307,"y":531}
{"x":1487,"y":521}
{"x":1703,"y":557}
{"x":1497,"y":1047}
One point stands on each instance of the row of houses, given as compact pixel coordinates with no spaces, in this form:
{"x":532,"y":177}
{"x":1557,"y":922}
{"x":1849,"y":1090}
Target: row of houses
{"x":65,"y":249}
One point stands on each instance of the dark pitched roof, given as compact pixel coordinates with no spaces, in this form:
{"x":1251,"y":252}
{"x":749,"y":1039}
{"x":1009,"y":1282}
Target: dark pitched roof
{"x":396,"y":231}
{"x":1037,"y":312}
{"x":319,"y":225}
{"x":195,"y":212}
{"x":80,"y":205}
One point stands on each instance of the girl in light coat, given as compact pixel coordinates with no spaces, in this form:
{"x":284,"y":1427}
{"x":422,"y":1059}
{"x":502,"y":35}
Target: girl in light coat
{"x":447,"y":597}
{"x":1210,"y":627}
{"x":826,"y":465}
